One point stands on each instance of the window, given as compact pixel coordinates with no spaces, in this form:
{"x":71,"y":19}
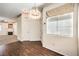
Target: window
{"x":61,"y":25}
{"x":52,"y":25}
{"x":0,"y":27}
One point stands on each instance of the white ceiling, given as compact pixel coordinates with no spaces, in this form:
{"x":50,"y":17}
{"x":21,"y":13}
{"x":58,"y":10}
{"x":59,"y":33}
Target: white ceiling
{"x":9,"y":10}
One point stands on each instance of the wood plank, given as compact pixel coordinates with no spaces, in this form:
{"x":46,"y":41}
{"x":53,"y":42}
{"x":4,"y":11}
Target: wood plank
{"x":26,"y":48}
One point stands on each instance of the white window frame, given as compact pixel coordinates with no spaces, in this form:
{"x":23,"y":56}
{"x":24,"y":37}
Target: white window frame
{"x":0,"y":27}
{"x":57,"y":31}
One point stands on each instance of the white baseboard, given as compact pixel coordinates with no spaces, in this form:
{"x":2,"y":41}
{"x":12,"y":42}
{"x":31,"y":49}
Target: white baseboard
{"x":29,"y":40}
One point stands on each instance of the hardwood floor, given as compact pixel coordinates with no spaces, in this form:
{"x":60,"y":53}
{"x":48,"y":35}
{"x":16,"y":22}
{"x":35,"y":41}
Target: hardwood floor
{"x":26,"y":48}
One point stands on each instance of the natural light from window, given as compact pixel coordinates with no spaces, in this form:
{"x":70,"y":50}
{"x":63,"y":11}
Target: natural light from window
{"x":0,"y":28}
{"x":61,"y":25}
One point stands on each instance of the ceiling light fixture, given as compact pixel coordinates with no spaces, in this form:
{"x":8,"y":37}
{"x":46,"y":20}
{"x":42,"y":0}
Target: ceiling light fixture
{"x":34,"y":13}
{"x":25,"y":12}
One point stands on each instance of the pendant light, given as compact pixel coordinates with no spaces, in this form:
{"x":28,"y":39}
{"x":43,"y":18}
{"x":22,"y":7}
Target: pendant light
{"x":35,"y":13}
{"x":25,"y":12}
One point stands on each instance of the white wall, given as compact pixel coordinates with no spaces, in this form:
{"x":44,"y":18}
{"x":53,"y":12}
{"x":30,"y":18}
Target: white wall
{"x":78,"y":30}
{"x":19,"y":28}
{"x":62,"y":45}
{"x":4,"y":28}
{"x":15,"y":28}
{"x":28,"y":29}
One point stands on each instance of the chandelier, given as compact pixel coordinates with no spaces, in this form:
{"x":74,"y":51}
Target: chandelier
{"x":34,"y":13}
